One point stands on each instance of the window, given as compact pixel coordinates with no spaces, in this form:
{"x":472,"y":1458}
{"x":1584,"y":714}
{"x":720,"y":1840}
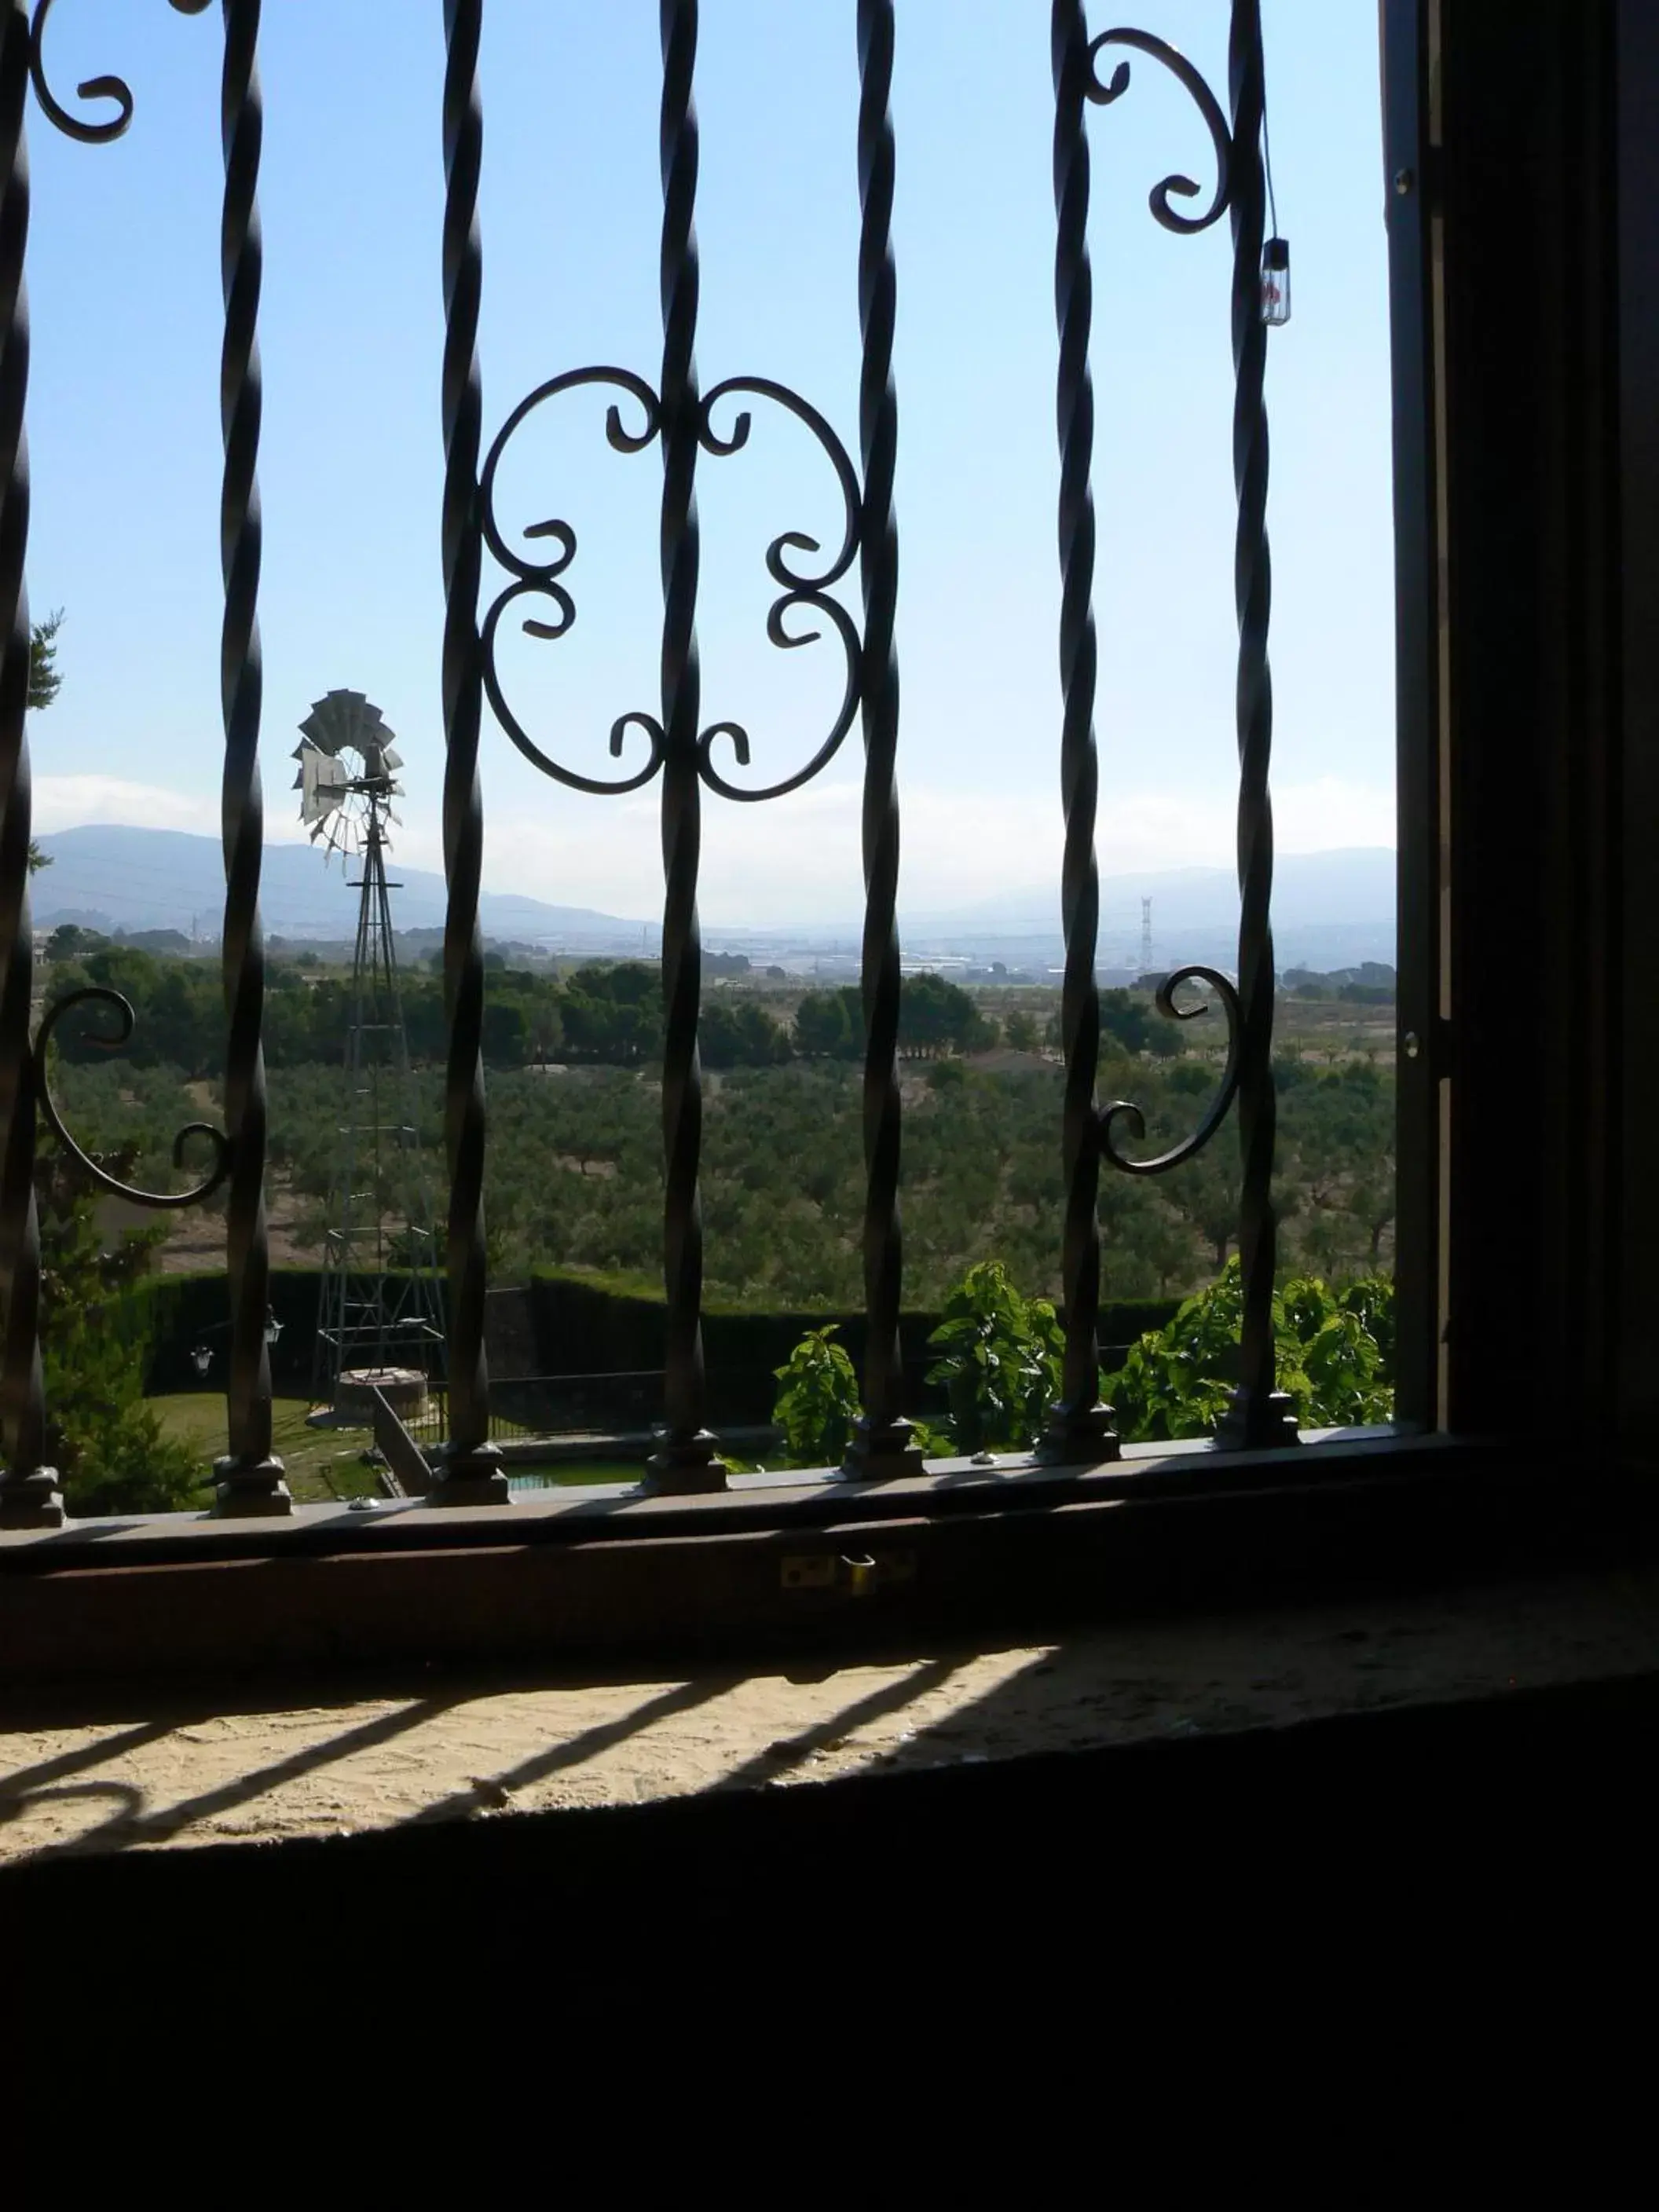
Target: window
{"x":1513,"y":1238}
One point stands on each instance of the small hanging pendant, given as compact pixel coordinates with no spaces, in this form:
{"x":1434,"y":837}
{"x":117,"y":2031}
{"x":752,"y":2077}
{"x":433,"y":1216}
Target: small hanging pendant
{"x":1276,"y":280}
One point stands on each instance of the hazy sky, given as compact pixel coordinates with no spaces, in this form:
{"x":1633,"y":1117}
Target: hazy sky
{"x":123,"y":419}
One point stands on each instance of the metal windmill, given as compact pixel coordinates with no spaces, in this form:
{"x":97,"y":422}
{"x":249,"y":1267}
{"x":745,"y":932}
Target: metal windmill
{"x":379,"y":1313}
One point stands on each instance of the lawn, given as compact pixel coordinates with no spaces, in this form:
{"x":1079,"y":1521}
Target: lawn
{"x":326,"y":1465}
{"x":323,"y":1464}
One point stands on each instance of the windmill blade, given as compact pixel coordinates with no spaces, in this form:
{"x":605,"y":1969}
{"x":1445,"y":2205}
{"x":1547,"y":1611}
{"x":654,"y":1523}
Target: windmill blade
{"x":347,"y":761}
{"x":343,"y":719}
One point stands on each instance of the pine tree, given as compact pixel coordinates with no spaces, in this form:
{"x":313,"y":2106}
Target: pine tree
{"x":45,"y":681}
{"x":45,"y":684}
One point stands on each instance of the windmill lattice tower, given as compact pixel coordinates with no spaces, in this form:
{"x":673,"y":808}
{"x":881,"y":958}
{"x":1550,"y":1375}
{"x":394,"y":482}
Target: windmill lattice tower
{"x":379,"y":1317}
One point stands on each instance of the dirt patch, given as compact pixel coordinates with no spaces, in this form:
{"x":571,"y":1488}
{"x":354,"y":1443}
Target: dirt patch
{"x":197,"y":1244}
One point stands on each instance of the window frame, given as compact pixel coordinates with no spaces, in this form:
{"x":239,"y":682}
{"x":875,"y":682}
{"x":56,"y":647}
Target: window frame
{"x":1513,"y":1340}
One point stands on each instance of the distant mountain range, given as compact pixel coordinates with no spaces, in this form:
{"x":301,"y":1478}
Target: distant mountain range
{"x":114,"y":878}
{"x":1351,"y":888}
{"x":1330,"y":910}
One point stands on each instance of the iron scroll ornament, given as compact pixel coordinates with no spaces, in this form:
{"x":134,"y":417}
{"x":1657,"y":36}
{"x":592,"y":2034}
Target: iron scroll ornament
{"x":1125,"y":1111}
{"x":166,"y":1200}
{"x":1122,"y":1111}
{"x":1175,"y":185}
{"x":92,"y":88}
{"x":799,"y":587}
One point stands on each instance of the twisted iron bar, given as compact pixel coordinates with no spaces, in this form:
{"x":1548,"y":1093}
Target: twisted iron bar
{"x":250,"y":1476}
{"x":685,"y":1457}
{"x":1080,"y":1424}
{"x":1181,"y":187}
{"x":472,"y":1473}
{"x":28,"y":1490}
{"x":92,"y":88}
{"x":884,"y":1442}
{"x":1259,"y":1414}
{"x":29,"y":1496}
{"x":677,"y":747}
{"x":1125,"y":1109}
{"x":540,"y":580}
{"x":166,"y":1199}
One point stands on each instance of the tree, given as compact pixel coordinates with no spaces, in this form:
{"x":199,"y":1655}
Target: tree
{"x":1372,"y":1204}
{"x":1204,"y":1191}
{"x":45,"y":681}
{"x":45,"y":684}
{"x":935,"y":1017}
{"x":104,"y":1441}
{"x":69,"y":941}
{"x":1126,"y":1017}
{"x":830,"y":1024}
{"x":742,"y":1036}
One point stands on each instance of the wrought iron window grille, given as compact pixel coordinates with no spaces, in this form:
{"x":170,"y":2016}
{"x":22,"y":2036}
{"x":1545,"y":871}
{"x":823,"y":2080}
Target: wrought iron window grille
{"x":689,"y":757}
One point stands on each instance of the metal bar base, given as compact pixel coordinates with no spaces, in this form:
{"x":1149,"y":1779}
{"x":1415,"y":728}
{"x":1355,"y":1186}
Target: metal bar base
{"x":250,"y":1491}
{"x":882,"y":1449}
{"x":1257,"y":1422}
{"x":473,"y":1478}
{"x":1079,"y":1435}
{"x":32,"y":1501}
{"x":683,"y":1466}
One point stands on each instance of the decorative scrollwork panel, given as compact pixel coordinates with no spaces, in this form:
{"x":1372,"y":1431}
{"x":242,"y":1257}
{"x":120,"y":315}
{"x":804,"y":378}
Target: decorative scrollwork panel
{"x":804,"y":588}
{"x":1126,"y":1112}
{"x":92,"y":88}
{"x":1174,"y":186}
{"x":168,"y":1201}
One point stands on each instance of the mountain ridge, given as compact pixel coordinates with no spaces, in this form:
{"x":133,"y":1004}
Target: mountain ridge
{"x":117,"y":876}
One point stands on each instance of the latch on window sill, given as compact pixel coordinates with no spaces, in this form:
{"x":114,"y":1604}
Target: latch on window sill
{"x":855,"y":1574}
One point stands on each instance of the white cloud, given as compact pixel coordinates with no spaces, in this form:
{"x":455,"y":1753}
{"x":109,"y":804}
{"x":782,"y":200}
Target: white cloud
{"x":797,"y":859}
{"x":1329,"y":815}
{"x":71,"y":802}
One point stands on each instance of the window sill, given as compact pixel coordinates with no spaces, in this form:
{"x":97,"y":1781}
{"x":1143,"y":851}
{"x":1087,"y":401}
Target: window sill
{"x":625,"y":1512}
{"x":290,"y":1760}
{"x":804,"y":1560}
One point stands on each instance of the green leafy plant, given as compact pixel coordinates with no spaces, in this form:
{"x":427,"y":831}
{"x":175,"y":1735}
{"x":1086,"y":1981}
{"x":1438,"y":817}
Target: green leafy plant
{"x":1000,"y":1360}
{"x":818,"y":1402}
{"x":1332,"y":1351}
{"x":104,"y":1440}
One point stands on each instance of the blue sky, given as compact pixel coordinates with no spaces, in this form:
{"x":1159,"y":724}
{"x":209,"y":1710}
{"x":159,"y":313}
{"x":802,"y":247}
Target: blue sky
{"x":124,"y":275}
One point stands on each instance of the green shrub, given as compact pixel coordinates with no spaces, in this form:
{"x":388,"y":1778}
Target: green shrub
{"x":1334,"y":1352}
{"x":999,"y":1361}
{"x":818,"y":1400}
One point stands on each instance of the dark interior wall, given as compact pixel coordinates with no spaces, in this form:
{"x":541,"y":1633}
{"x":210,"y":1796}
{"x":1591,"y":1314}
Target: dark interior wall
{"x":1637,"y":93}
{"x":1531,"y":465}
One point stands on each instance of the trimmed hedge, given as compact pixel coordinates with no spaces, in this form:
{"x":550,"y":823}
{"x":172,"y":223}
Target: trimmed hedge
{"x":585,"y":1324}
{"x":171,"y":1314}
{"x":555,"y":1324}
